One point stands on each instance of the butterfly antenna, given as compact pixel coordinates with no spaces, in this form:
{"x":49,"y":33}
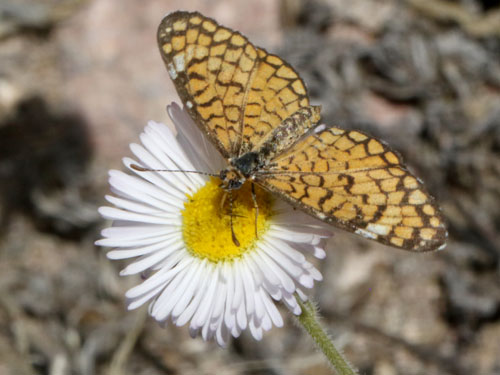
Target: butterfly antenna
{"x":235,"y":240}
{"x":142,"y":169}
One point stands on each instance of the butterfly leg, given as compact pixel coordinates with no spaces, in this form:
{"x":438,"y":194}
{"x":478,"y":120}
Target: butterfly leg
{"x":222,"y":202}
{"x":256,"y":206}
{"x":235,"y":240}
{"x":231,"y":214}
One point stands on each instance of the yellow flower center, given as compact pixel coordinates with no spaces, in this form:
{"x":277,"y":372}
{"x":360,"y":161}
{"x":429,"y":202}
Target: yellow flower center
{"x":207,"y":221}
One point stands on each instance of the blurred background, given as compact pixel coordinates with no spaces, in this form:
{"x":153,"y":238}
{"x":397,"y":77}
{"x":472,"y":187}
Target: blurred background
{"x":80,"y":78}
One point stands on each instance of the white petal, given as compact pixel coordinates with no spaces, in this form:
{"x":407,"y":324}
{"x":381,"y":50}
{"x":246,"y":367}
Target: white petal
{"x":229,"y":317}
{"x":272,"y":310}
{"x":139,"y":251}
{"x":306,"y":281}
{"x":189,"y":291}
{"x":167,"y":181}
{"x":285,"y":263}
{"x":241,"y":316}
{"x":266,"y":273}
{"x":170,"y":296}
{"x":116,"y":241}
{"x":315,"y":274}
{"x":160,"y":278}
{"x":248,"y":286}
{"x":201,"y":315}
{"x":301,"y":294}
{"x":128,"y":205}
{"x":259,"y":305}
{"x":123,"y":242}
{"x":319,"y":252}
{"x":239,"y":291}
{"x":150,"y":260}
{"x":266,"y":323}
{"x":133,"y":232}
{"x":255,"y":331}
{"x":148,"y":188}
{"x":161,"y":160}
{"x":192,"y":139}
{"x":208,"y":330}
{"x":254,"y":269}
{"x":291,"y":302}
{"x":199,"y":294}
{"x":286,"y":280}
{"x":285,"y":234}
{"x":285,"y":249}
{"x":116,"y":214}
{"x":133,"y":303}
{"x":219,"y":301}
{"x":222,"y":335}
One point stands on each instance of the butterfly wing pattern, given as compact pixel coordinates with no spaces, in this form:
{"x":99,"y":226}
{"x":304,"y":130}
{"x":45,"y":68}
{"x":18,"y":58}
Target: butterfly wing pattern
{"x":355,"y":182}
{"x":239,"y":95}
{"x":236,"y":93}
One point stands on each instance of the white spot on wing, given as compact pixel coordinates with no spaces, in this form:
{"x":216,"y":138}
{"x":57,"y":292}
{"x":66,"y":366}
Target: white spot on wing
{"x":179,"y":62}
{"x":189,"y":104}
{"x":171,"y":71}
{"x":366,"y":234}
{"x":321,"y":216}
{"x":442,"y":247}
{"x":380,"y":229}
{"x":319,"y":128}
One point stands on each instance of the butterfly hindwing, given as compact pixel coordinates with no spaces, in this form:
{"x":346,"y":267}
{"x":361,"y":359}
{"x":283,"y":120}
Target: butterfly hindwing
{"x":356,"y":182}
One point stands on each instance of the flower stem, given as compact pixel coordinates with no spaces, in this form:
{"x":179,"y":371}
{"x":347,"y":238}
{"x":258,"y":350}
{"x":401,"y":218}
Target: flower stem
{"x":310,"y":321}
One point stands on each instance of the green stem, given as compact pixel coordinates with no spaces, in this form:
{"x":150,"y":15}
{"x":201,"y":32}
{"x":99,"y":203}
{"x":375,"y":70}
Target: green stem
{"x":310,"y":321}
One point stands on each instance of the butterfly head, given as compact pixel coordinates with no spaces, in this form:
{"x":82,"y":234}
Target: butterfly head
{"x":231,"y":178}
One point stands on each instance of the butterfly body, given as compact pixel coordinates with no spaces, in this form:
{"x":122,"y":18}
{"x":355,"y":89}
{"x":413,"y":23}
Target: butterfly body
{"x":254,"y":107}
{"x":258,"y":160}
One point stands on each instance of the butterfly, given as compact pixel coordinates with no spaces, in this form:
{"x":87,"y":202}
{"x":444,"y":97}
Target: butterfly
{"x":254,"y":107}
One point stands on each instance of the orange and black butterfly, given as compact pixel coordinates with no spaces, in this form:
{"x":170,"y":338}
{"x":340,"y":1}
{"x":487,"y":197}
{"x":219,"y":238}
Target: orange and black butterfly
{"x":254,"y":108}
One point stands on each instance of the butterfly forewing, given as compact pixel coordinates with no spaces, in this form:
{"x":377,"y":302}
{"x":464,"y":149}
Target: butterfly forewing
{"x":236,"y":93}
{"x":211,"y":68}
{"x":355,"y":182}
{"x":276,"y":93}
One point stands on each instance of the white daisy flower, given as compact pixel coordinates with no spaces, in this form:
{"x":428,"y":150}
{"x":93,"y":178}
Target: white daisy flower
{"x":176,"y":226}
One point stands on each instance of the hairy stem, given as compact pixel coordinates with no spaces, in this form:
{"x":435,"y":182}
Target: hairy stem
{"x":309,"y":319}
